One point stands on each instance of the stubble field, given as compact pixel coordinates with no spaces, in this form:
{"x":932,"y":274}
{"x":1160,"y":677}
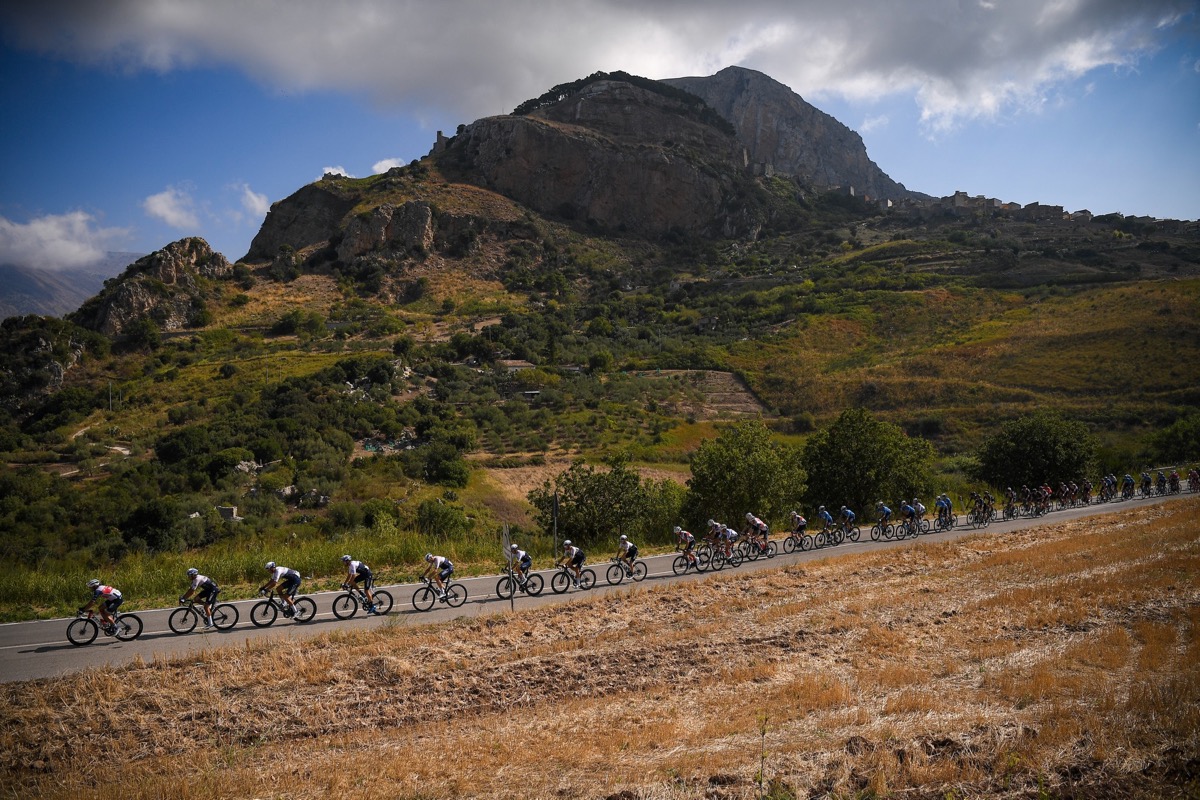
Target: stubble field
{"x":1060,"y":661}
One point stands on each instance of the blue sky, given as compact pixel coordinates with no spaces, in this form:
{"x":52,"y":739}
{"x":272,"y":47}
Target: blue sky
{"x":131,"y":124}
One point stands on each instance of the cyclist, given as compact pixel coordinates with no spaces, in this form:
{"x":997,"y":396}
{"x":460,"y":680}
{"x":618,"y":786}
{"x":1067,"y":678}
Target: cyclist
{"x":1127,"y":486}
{"x":825,"y":517}
{"x":885,"y":514}
{"x":920,"y":509}
{"x":285,"y":581}
{"x":846,"y":519}
{"x":626,"y":552}
{"x":572,"y":557}
{"x":522,"y":562}
{"x":729,"y":536}
{"x":757,"y":530}
{"x":909,"y":513}
{"x":799,"y":524}
{"x":439,"y":567}
{"x":206,"y":591}
{"x":358,"y":571}
{"x":109,"y":598}
{"x":686,"y":542}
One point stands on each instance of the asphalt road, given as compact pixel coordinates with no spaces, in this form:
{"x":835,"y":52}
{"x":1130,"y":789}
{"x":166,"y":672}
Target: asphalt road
{"x":40,"y":649}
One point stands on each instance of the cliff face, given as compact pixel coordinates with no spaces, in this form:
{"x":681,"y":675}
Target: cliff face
{"x":165,"y":286}
{"x":312,"y":214}
{"x":779,"y":129}
{"x":614,"y":154}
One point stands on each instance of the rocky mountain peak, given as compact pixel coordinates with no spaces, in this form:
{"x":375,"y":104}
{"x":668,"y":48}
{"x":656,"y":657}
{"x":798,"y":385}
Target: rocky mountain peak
{"x":789,"y":136}
{"x":166,"y":286}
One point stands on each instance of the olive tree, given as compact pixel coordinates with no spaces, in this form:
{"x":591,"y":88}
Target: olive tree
{"x":859,"y":460}
{"x":744,"y":470}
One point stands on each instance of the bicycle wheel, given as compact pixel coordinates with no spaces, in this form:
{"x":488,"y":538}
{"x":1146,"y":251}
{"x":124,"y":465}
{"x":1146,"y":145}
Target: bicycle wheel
{"x":383,"y":601}
{"x":876,"y":533}
{"x":224,"y":616}
{"x":748,"y":552}
{"x":806,"y":542}
{"x":772,"y":549}
{"x":129,"y":627}
{"x":345,"y":606}
{"x":560,"y":582}
{"x":263,"y":613}
{"x":839,"y":536}
{"x":504,"y":588}
{"x":182,"y":620}
{"x":615,"y":574}
{"x":424,"y":598}
{"x":789,"y":544}
{"x":587,"y":579}
{"x":819,"y":539}
{"x":924,"y":526}
{"x":680,"y":565}
{"x":855,"y":532}
{"x":82,"y":631}
{"x":640,"y":571}
{"x":534,"y":584}
{"x":306,"y":609}
{"x":456,"y":595}
{"x":735,"y":559}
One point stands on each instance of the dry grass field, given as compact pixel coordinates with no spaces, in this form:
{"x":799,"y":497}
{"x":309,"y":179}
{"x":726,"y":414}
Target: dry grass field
{"x":1061,"y":661}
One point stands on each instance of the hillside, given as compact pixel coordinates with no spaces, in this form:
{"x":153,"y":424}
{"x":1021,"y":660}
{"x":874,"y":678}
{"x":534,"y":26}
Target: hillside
{"x":602,"y":274}
{"x":1057,"y":661}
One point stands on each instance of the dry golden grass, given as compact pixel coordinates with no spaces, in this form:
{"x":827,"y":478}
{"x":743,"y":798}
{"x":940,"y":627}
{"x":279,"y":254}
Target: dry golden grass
{"x":1060,"y":660}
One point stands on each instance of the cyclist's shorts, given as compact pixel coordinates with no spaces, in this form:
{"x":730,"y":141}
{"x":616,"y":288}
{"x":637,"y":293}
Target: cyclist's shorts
{"x":289,"y":585}
{"x":631,"y":554}
{"x":365,"y":579}
{"x":526,"y":563}
{"x":208,"y":592}
{"x":444,"y":572}
{"x":112,"y":605}
{"x":577,"y":561}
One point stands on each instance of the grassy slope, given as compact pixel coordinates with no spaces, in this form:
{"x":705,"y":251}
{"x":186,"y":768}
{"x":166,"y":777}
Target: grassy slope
{"x":1060,"y":659}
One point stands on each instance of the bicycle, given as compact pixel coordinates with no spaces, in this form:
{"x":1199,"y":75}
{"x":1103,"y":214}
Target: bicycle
{"x":346,"y":605}
{"x":84,"y":628}
{"x":620,"y":570}
{"x":454,"y":595}
{"x":797,"y":540}
{"x":751,"y":549}
{"x":850,"y":531}
{"x":682,"y":564}
{"x":531,"y":584}
{"x":185,"y":618}
{"x":563,"y":579}
{"x":882,"y":530}
{"x":264,"y":613}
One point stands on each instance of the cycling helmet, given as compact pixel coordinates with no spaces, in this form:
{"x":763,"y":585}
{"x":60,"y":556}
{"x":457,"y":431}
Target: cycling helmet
{"x":843,"y":508}
{"x":429,"y":556}
{"x":193,"y":572}
{"x":346,"y":558}
{"x":712,"y":522}
{"x":678,"y":529}
{"x":93,"y":583}
{"x":513,"y":547}
{"x":822,"y":508}
{"x":624,"y":537}
{"x":566,"y":542}
{"x":270,"y":566}
{"x":749,"y":515}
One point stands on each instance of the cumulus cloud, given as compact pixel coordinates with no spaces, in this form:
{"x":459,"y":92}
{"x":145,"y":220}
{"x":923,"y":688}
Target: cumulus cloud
{"x":873,"y":123}
{"x":57,"y":241}
{"x":386,"y":164}
{"x":174,"y":206}
{"x":958,"y":60}
{"x":257,"y":205}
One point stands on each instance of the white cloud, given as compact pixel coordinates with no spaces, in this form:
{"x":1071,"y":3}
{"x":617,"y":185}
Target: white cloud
{"x":478,"y":57}
{"x":386,"y":164}
{"x":334,"y":171}
{"x":57,"y":241}
{"x":873,"y":123}
{"x":173,"y":206}
{"x":257,"y":205}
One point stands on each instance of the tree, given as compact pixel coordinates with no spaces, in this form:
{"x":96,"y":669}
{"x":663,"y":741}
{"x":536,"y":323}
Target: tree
{"x":593,"y":504}
{"x":860,"y":460}
{"x":1043,"y":448}
{"x":1178,"y":443}
{"x":744,"y":470}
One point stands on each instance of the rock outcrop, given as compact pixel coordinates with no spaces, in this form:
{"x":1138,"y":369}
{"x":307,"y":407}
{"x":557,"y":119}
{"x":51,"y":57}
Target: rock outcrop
{"x":408,"y":227}
{"x":313,"y":214}
{"x":165,"y":286}
{"x":789,"y":136}
{"x":616,"y":155}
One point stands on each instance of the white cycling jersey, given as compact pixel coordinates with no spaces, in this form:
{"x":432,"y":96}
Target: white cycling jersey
{"x":624,"y":545}
{"x":352,"y":568}
{"x":199,"y":581}
{"x":279,"y":573}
